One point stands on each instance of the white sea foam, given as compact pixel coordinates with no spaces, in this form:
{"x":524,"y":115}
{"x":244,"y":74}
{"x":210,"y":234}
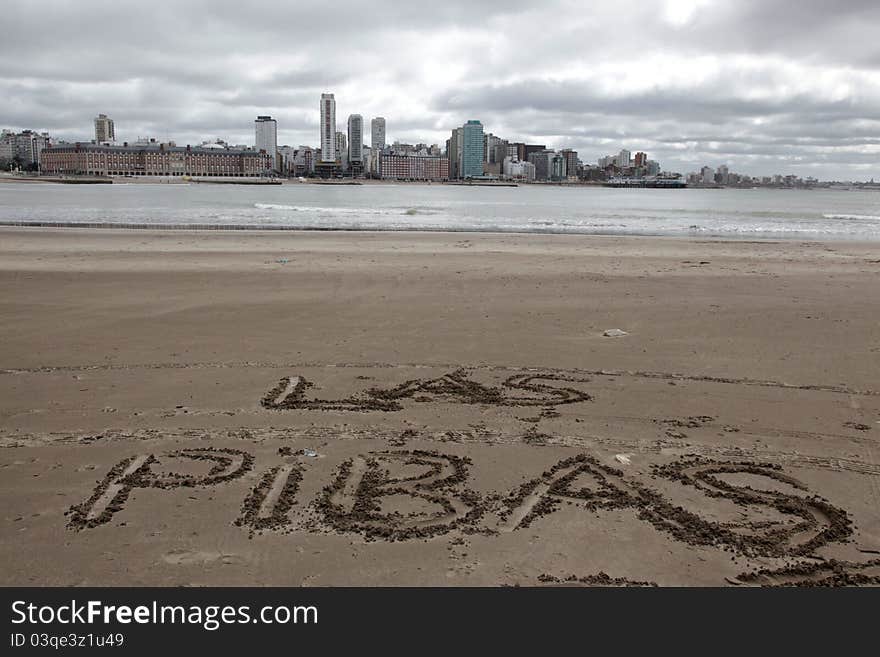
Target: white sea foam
{"x":855,"y":217}
{"x":274,"y":206}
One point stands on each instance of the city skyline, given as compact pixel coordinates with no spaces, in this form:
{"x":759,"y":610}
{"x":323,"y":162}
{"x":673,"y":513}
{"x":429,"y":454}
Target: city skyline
{"x":690,"y":82}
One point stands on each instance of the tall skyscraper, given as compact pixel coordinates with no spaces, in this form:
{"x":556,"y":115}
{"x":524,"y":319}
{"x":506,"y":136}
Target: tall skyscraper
{"x":453,"y":152}
{"x":341,"y":149}
{"x":377,"y":133}
{"x":558,"y":167}
{"x":328,"y":128}
{"x":571,"y":161}
{"x":104,"y":129}
{"x":472,"y":150}
{"x":355,"y":139}
{"x":266,"y":136}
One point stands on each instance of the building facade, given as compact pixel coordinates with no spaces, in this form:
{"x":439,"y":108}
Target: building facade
{"x":472,"y":150}
{"x":528,"y":149}
{"x":400,"y":166}
{"x":558,"y":167}
{"x":341,"y":149}
{"x":542,"y":162}
{"x":153,"y":160}
{"x":571,"y":161}
{"x":377,"y":134}
{"x":356,"y":140}
{"x":303,"y":161}
{"x":105,"y":130}
{"x":266,"y":135}
{"x":453,"y":152}
{"x":22,"y":148}
{"x":516,"y":169}
{"x":328,"y":128}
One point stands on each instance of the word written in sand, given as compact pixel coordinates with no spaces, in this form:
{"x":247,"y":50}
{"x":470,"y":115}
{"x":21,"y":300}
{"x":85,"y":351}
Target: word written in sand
{"x":400,"y":495}
{"x":518,"y":390}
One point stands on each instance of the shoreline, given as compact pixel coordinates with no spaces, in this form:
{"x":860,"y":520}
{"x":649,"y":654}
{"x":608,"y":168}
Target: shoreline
{"x":286,"y":228}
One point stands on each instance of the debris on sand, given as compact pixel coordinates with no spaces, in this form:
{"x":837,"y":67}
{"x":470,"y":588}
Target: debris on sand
{"x":625,"y":459}
{"x":614,"y":333}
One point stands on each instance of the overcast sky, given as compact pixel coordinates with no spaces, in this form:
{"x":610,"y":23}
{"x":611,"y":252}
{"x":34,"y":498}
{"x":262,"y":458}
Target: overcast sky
{"x":765,"y":87}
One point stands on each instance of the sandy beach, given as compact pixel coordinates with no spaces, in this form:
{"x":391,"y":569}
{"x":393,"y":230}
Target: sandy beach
{"x":304,"y":408}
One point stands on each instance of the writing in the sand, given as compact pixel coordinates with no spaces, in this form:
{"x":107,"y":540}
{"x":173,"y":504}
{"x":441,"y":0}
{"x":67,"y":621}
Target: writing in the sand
{"x":399,"y":495}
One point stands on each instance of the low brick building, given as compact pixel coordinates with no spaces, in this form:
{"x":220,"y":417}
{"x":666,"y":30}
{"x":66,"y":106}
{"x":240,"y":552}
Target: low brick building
{"x":153,"y":160}
{"x":394,"y":166}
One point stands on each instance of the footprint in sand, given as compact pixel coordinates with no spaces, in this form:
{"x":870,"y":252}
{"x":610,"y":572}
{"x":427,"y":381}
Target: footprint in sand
{"x":188,"y":558}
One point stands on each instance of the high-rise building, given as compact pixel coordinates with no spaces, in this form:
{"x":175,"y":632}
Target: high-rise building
{"x":355,"y":139}
{"x":266,"y":135}
{"x":472,"y":150}
{"x":341,"y":148}
{"x":542,"y":161}
{"x":640,"y":159}
{"x":22,"y":148}
{"x":571,"y":161}
{"x":558,"y":167}
{"x":105,"y":131}
{"x":623,"y":159}
{"x":377,"y":133}
{"x":454,"y":147}
{"x":328,"y":128}
{"x":491,"y":145}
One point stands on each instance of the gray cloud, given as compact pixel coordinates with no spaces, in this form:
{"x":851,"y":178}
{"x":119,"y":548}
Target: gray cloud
{"x":764,"y":86}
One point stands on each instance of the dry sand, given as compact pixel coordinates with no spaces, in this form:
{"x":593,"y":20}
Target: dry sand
{"x":465,"y":421}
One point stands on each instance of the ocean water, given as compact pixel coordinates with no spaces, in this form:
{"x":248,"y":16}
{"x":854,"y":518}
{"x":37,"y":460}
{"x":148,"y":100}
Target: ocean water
{"x":720,"y":213}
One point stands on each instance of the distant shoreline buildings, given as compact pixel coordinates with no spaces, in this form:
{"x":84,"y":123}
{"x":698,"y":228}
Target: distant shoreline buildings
{"x":470,"y":153}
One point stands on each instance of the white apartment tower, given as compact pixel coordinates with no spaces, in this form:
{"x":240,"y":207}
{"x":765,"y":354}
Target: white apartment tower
{"x":377,"y":134}
{"x":355,"y":138}
{"x":266,"y":136}
{"x":328,"y":128}
{"x":105,"y":132}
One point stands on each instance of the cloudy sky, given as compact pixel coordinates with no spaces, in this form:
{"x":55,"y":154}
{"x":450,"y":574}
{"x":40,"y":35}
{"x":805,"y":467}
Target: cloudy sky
{"x":765,"y":87}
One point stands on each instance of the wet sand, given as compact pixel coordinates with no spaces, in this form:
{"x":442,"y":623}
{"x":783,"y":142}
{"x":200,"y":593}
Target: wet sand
{"x":436,"y":409}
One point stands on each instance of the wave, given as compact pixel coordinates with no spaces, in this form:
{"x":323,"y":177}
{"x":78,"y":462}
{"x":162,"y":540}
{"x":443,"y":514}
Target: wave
{"x":274,"y":206}
{"x":853,"y":217}
{"x":409,"y":211}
